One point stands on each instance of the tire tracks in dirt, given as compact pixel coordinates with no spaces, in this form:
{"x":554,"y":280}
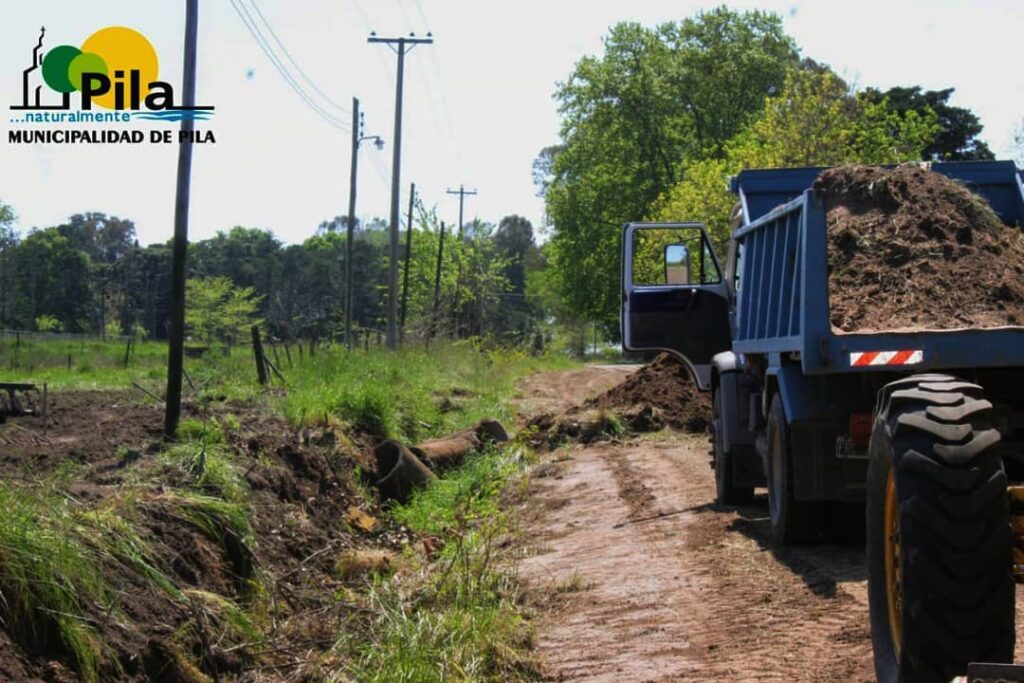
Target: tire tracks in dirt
{"x":645,"y":579}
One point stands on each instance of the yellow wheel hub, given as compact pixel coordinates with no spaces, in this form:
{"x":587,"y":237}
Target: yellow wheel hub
{"x":893,"y":589}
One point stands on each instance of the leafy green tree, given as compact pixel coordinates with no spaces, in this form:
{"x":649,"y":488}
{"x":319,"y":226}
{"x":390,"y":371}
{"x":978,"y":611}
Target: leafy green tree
{"x":483,"y":286}
{"x":702,"y":196}
{"x":248,"y":256}
{"x":103,"y":238}
{"x":150,"y":289}
{"x":959,"y":128}
{"x":514,"y":242}
{"x":47,"y":323}
{"x":55,"y":279}
{"x":724,"y":64}
{"x":631,"y":120}
{"x":89,"y":275}
{"x":814,"y":121}
{"x":218,"y":310}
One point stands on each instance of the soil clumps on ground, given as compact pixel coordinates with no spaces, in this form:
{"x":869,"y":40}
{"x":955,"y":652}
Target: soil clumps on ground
{"x":658,"y":395}
{"x":665,"y":388}
{"x":305,"y":510}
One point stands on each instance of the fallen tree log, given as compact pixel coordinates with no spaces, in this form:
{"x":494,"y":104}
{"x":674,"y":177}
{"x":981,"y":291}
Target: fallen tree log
{"x":401,"y":469}
{"x":399,"y":472}
{"x":451,"y":450}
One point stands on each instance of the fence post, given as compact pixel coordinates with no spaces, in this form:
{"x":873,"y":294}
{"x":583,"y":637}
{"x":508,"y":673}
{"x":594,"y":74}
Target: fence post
{"x":257,"y":349}
{"x":273,"y":349}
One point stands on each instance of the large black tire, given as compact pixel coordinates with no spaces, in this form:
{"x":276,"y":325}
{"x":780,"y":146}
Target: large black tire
{"x":792,"y":521}
{"x":944,"y":595}
{"x":727,"y":491}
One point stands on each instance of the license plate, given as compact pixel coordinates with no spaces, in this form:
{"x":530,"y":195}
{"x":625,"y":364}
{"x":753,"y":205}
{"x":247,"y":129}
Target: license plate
{"x":995,"y":673}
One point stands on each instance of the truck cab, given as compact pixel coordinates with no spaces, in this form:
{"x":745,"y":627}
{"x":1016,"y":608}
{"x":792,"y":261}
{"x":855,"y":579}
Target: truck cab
{"x":917,"y":434}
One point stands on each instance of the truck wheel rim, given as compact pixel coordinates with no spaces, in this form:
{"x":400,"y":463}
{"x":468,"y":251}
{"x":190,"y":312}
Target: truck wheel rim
{"x":893,"y":589}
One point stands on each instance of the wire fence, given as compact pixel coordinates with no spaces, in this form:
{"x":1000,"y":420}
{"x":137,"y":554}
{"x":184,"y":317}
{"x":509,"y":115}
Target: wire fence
{"x":35,"y":336}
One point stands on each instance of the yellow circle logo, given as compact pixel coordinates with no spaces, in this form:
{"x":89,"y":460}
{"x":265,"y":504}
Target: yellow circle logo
{"x":121,"y":54}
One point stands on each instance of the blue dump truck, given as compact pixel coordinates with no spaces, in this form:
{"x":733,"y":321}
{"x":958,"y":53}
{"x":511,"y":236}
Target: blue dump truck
{"x":922,"y":428}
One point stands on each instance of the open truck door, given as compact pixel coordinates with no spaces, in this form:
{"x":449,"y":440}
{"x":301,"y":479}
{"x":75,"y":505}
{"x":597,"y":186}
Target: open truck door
{"x":674,"y":295}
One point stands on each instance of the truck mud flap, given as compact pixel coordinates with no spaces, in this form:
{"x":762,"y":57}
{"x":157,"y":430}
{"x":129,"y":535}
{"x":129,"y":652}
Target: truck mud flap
{"x":817,"y":473}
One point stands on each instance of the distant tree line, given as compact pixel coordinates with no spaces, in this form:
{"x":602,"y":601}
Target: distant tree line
{"x":90,"y":274}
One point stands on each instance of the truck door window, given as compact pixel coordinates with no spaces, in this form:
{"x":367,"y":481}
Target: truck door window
{"x":672,"y":256}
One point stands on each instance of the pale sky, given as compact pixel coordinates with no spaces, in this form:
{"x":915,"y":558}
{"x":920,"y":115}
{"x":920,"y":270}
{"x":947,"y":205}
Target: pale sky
{"x":478,"y":103}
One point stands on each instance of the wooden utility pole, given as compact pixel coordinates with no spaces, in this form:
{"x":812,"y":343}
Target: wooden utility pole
{"x":350,"y":228}
{"x":357,"y":139}
{"x":400,"y":46}
{"x":176,"y":347}
{"x":462,"y":192}
{"x":408,"y":258}
{"x":437,"y":282}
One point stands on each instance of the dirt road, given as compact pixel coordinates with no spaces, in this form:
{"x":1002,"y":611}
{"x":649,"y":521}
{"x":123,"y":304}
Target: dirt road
{"x":643,"y":578}
{"x":550,"y":392}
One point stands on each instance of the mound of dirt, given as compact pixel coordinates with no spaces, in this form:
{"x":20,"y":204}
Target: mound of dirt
{"x":662,"y":388}
{"x":911,"y":249}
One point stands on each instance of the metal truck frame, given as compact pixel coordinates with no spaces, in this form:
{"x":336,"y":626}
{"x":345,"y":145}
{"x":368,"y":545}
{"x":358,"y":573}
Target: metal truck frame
{"x":925,"y":427}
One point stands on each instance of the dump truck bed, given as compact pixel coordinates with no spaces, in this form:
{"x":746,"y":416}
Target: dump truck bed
{"x":783,"y":297}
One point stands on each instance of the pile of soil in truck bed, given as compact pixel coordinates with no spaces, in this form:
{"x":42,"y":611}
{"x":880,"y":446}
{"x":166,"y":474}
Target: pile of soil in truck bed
{"x":912,"y":249}
{"x":665,"y":385}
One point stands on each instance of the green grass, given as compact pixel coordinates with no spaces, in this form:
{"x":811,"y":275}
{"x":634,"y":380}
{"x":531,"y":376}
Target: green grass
{"x":55,"y":561}
{"x":47,"y":576}
{"x":454,"y":617}
{"x":203,"y":456}
{"x":464,"y":495}
{"x":54,"y":557}
{"x":458,"y":618}
{"x":412,"y":394}
{"x":217,"y":518}
{"x":93,"y":364}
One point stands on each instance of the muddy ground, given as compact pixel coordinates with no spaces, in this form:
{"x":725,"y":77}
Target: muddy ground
{"x":639,"y":576}
{"x":306,"y":511}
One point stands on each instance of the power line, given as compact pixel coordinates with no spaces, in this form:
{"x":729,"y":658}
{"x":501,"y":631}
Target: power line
{"x":365,"y":18}
{"x":419,"y":11}
{"x":250,"y":25}
{"x":261,"y":41}
{"x":449,"y":130}
{"x":422,"y":73}
{"x":379,"y":169}
{"x":273,"y":34}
